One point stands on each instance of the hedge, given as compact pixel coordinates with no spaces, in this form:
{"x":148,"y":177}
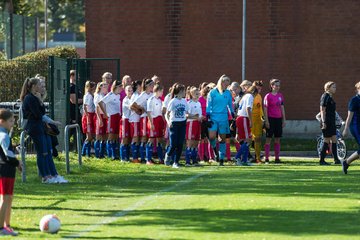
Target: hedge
{"x":14,"y":72}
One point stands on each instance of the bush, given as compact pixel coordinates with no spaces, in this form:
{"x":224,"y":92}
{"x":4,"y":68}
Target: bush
{"x":14,"y":72}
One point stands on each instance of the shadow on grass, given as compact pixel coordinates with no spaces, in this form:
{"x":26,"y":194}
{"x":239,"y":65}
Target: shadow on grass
{"x":246,"y":221}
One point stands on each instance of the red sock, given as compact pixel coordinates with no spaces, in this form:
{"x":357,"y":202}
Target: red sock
{"x":267,"y":151}
{"x":277,"y":150}
{"x":228,"y":152}
{"x":201,"y":151}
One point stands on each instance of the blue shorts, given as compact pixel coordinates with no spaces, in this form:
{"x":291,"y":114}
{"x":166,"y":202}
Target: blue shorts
{"x":221,"y":127}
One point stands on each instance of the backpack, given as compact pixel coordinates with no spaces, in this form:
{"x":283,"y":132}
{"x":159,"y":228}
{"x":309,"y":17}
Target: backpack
{"x":22,"y":122}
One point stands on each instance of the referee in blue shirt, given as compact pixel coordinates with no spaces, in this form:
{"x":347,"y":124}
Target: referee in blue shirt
{"x":219,"y":103}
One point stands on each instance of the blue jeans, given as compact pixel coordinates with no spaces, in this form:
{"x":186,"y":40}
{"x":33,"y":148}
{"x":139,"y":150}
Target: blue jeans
{"x":43,"y":148}
{"x":177,"y":137}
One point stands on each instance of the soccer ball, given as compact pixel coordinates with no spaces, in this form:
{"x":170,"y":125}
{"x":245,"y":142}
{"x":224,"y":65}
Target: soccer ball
{"x":50,"y":224}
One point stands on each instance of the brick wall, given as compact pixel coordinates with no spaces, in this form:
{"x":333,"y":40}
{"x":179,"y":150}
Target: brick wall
{"x":303,"y":43}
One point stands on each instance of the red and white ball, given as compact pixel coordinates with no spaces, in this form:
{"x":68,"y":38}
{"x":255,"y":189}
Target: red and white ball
{"x":50,"y":224}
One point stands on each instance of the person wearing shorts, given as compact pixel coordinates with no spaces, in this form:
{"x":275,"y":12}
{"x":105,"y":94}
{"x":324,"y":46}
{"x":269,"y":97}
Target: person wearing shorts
{"x":243,"y":126}
{"x":274,"y":114}
{"x":134,"y":120}
{"x":110,"y":105}
{"x":219,"y":101}
{"x":328,"y":122}
{"x":101,"y":121}
{"x":124,"y":133}
{"x":88,"y":118}
{"x":193,"y":127}
{"x":8,"y":165}
{"x":353,"y":123}
{"x":139,"y":105}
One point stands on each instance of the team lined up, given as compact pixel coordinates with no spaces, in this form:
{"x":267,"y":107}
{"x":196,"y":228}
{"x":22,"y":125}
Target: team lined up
{"x":137,"y":114}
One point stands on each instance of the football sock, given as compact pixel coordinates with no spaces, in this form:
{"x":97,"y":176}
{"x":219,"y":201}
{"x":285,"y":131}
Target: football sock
{"x":160,"y":152}
{"x":237,"y":146}
{"x":102,"y":149}
{"x":188,"y":155}
{"x":323,"y":152}
{"x":97,"y":148}
{"x":109,"y":148}
{"x":142,"y":151}
{"x":245,"y":152}
{"x":222,"y":150}
{"x":122,"y":152}
{"x":84,"y":148}
{"x":134,"y":150}
{"x":267,"y":151}
{"x":194,"y":153}
{"x":228,"y":152}
{"x":277,"y":150}
{"x":149,"y":151}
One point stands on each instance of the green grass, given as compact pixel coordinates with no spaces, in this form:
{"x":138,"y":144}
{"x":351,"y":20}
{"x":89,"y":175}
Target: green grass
{"x":110,"y":200}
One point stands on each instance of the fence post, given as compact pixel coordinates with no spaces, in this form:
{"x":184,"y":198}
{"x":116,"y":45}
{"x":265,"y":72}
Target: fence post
{"x":67,"y":140}
{"x":22,"y":152}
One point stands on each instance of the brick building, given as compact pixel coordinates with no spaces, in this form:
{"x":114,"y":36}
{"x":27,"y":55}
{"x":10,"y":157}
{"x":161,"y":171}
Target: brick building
{"x":303,"y":43}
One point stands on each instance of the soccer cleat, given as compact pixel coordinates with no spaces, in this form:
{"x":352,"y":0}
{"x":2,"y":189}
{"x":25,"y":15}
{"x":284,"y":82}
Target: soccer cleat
{"x":277,"y":161}
{"x":175,"y":165}
{"x":60,"y":179}
{"x":187,"y":164}
{"x":267,"y":161}
{"x":238,"y":162}
{"x":323,"y":163}
{"x":7,"y":231}
{"x":150,"y":162}
{"x":345,"y":166}
{"x":221,"y":162}
{"x":258,"y":161}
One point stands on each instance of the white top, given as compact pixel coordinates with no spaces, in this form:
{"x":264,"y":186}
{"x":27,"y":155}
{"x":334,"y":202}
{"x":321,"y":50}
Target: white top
{"x":88,"y":100}
{"x":126,"y":103}
{"x":141,"y":100}
{"x":194,"y":108}
{"x":167,"y":99}
{"x":134,"y":117}
{"x":154,"y":106}
{"x":178,"y":109}
{"x":246,"y":102}
{"x":97,"y":98}
{"x":112,"y":102}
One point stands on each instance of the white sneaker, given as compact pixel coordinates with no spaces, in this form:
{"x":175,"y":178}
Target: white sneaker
{"x":61,"y":179}
{"x":175,"y":165}
{"x":49,"y":181}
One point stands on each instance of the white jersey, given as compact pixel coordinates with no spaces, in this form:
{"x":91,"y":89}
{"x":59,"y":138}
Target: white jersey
{"x":88,"y":100}
{"x":126,"y":112}
{"x":97,"y":98}
{"x":194,"y":108}
{"x":246,"y":102}
{"x":167,"y":100}
{"x":112,"y":102}
{"x":134,"y":117}
{"x":178,"y":109}
{"x":141,"y":100}
{"x":154,"y":106}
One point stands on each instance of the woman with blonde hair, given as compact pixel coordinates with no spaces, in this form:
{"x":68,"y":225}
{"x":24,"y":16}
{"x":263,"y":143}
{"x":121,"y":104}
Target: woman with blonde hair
{"x":328,"y":123}
{"x":219,"y":102}
{"x":353,"y":123}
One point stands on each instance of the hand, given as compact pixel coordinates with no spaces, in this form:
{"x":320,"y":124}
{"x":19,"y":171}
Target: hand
{"x":100,"y":122}
{"x":58,"y":123}
{"x":152,"y":126}
{"x":267,"y":125}
{"x":345,"y":132}
{"x":169,"y":124}
{"x":323,"y":126}
{"x":106,"y":116}
{"x":283,"y":124}
{"x":20,"y":166}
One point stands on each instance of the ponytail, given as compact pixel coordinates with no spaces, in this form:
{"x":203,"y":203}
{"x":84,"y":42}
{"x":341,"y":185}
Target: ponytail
{"x":146,"y":82}
{"x":26,"y":88}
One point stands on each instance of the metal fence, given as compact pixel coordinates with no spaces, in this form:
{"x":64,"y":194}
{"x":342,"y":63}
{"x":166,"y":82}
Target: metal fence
{"x":18,"y":34}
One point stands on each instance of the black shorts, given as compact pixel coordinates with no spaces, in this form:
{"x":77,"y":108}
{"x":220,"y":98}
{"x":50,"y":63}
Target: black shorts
{"x":232,"y":133}
{"x":275,"y":128}
{"x":204,"y":130}
{"x":330,"y":129}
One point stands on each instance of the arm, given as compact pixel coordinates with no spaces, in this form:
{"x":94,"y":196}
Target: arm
{"x":103,"y":108}
{"x":347,"y":123}
{"x":209,"y":104}
{"x":249,"y":113}
{"x":283,"y":115}
{"x":73,"y":99}
{"x":323,"y":114}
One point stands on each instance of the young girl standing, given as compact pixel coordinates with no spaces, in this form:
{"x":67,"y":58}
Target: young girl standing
{"x":155,"y":124}
{"x":101,"y":120}
{"x":274,"y":114}
{"x":125,"y":125}
{"x":328,"y":122}
{"x":139,"y":105}
{"x":110,"y":105}
{"x":134,"y":120}
{"x":257,"y":120}
{"x":8,"y":165}
{"x":176,"y":120}
{"x":89,"y":117}
{"x":193,"y":126}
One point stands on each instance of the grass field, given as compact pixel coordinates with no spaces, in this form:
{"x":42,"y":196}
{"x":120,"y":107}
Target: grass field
{"x":110,"y":200}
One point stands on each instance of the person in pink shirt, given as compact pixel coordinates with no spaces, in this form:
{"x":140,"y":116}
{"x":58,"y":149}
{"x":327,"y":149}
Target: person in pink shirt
{"x":274,"y":114}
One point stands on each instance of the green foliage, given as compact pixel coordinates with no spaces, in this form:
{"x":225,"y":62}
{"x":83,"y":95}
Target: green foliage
{"x":109,"y":200}
{"x":14,"y":72}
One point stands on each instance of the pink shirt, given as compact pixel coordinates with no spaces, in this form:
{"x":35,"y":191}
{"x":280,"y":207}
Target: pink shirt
{"x":273,"y":104}
{"x":202,"y":102}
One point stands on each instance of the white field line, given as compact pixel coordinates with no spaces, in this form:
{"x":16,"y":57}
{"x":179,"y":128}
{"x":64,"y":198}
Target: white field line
{"x":135,"y":206}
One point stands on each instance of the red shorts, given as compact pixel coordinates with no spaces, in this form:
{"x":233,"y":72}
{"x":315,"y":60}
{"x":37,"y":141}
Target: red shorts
{"x":6,"y":185}
{"x":134,"y":129}
{"x":159,"y":126}
{"x":243,"y":127}
{"x":124,"y":128}
{"x":88,"y":126}
{"x":193,"y":130}
{"x":142,"y":128}
{"x":113,"y":124}
{"x":101,"y":130}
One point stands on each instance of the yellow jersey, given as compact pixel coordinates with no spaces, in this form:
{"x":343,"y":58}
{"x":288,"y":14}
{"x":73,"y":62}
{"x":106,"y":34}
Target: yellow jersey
{"x":257,"y":110}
